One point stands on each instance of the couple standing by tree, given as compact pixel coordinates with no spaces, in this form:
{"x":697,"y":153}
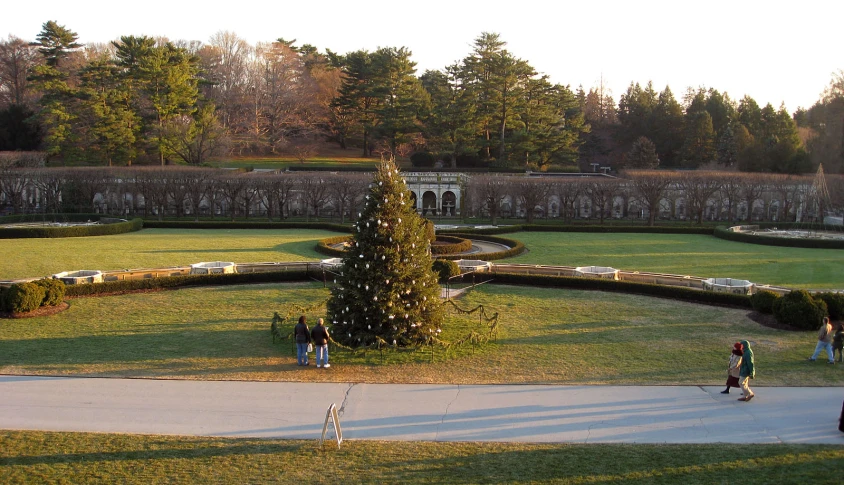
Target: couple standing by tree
{"x":304,"y":338}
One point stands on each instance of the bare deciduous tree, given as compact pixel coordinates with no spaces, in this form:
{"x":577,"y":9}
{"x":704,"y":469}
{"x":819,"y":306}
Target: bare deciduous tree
{"x":650,"y":188}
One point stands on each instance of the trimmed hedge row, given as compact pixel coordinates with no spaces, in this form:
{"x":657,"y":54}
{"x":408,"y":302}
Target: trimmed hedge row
{"x":62,"y":217}
{"x":73,"y":231}
{"x":675,"y":292}
{"x":325,"y":248}
{"x":516,"y":247}
{"x":327,"y":226}
{"x":184,"y":281}
{"x":584,"y":228}
{"x":723,"y":233}
{"x":453,"y":245}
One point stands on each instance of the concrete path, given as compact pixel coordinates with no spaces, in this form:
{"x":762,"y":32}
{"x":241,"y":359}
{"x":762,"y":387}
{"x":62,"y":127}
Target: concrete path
{"x":510,"y":413}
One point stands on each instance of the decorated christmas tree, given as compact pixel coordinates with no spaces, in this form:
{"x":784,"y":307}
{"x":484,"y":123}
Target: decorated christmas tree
{"x":386,"y":291}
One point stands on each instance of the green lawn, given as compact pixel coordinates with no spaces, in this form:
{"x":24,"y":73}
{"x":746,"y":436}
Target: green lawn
{"x":548,"y":336}
{"x":154,"y":248}
{"x":697,"y":255}
{"x":28,"y":457}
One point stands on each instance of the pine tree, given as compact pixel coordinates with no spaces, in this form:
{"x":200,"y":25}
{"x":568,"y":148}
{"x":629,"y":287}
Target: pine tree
{"x":386,"y":290}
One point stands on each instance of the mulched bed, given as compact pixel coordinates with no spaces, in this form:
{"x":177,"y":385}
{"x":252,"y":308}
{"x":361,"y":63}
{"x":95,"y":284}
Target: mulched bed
{"x":44,"y":311}
{"x":771,"y":322}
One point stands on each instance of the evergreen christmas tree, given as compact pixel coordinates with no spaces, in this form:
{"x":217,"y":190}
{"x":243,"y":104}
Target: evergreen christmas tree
{"x":386,"y":289}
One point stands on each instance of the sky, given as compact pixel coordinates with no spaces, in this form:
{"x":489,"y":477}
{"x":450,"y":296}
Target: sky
{"x":776,"y":52}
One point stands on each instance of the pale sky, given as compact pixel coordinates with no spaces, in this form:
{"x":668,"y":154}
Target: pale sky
{"x":774,"y":51}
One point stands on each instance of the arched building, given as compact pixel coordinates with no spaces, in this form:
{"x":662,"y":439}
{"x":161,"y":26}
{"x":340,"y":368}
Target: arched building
{"x":437,"y":193}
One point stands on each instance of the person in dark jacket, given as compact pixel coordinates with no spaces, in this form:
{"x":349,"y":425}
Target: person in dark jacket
{"x":747,"y":371}
{"x":320,"y":336}
{"x":303,"y":337}
{"x":838,"y":343}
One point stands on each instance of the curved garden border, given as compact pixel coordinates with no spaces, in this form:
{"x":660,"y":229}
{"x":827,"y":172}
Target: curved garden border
{"x":72,"y":231}
{"x":722,"y":233}
{"x":516,"y":247}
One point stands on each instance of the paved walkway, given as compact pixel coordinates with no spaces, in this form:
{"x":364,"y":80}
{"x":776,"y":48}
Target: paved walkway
{"x":510,"y":413}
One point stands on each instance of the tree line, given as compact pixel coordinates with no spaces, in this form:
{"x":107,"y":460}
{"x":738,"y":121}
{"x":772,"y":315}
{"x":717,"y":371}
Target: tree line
{"x":150,"y":100}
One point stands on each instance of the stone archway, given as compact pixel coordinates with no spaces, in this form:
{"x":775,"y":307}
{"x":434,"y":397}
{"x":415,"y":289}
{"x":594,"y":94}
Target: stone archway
{"x":413,"y":201}
{"x":429,"y":203}
{"x":449,"y":203}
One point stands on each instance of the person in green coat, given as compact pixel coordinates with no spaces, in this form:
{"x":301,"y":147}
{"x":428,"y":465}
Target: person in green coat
{"x":747,"y":371}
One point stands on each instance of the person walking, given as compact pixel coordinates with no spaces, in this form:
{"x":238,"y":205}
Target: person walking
{"x":838,"y":342}
{"x":320,"y":336}
{"x":733,"y":368}
{"x":303,"y":337}
{"x":747,"y":371}
{"x":824,"y":341}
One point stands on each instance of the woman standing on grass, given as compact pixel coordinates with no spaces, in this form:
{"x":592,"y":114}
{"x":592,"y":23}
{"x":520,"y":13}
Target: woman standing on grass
{"x":733,"y":369}
{"x":747,"y":371}
{"x":303,"y":338}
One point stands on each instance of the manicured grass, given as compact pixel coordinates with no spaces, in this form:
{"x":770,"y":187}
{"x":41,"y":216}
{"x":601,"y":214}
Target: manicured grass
{"x":697,"y":255}
{"x":46,"y":457}
{"x":156,"y":248}
{"x":547,"y":336}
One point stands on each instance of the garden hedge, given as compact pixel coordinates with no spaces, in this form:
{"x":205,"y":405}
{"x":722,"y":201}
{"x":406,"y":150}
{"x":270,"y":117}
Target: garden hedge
{"x":453,"y":245}
{"x":763,"y":301}
{"x":516,"y":247}
{"x":674,"y":292}
{"x":221,"y":224}
{"x":169,"y":282}
{"x":834,"y":303}
{"x":723,"y":233}
{"x":106,"y":229}
{"x":324,"y":246}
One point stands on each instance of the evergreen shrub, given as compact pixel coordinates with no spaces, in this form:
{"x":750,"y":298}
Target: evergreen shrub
{"x":834,"y":304}
{"x":54,"y":291}
{"x":763,"y":301}
{"x":453,"y":245}
{"x":445,"y":268}
{"x":799,"y":310}
{"x":23,"y":297}
{"x":422,"y":159}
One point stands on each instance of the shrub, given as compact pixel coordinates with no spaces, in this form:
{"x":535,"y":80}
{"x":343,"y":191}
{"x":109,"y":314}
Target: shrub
{"x":53,"y":291}
{"x":24,"y":297}
{"x":763,"y":301}
{"x":799,"y":310}
{"x":422,"y":159}
{"x":834,"y":304}
{"x":445,"y":268}
{"x":450,"y":245}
